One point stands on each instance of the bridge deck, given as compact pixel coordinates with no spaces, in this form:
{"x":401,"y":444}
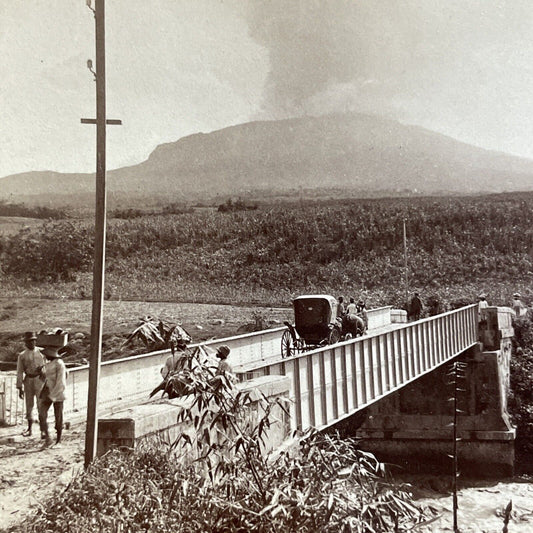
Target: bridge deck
{"x":334,"y":382}
{"x":251,"y":368}
{"x":327,"y":384}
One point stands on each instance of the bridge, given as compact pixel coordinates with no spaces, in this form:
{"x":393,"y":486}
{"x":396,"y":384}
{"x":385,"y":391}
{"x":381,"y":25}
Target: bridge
{"x":334,"y":382}
{"x":331,"y":384}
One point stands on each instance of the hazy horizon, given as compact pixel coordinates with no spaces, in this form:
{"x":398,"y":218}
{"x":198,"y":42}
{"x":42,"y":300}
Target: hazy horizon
{"x":175,"y":68}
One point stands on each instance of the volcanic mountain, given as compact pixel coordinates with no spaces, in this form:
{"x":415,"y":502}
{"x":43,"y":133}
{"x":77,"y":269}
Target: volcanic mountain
{"x":350,"y":151}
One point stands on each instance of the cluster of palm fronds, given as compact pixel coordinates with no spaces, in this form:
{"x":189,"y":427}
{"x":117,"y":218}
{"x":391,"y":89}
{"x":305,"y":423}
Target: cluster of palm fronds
{"x":157,"y":334}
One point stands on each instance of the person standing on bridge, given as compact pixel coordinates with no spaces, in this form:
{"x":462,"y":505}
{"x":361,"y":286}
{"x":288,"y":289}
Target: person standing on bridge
{"x":177,"y":360}
{"x":30,"y":377}
{"x":223,"y":373}
{"x":415,"y":308}
{"x":223,"y":365}
{"x":483,"y":304}
{"x":482,"y":307}
{"x":517,"y":306}
{"x":352,"y":308}
{"x":341,"y":309}
{"x":53,"y":393}
{"x":361,"y":311}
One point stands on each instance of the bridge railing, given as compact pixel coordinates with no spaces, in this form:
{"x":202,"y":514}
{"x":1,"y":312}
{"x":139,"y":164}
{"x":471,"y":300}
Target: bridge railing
{"x":130,"y":380}
{"x":333,"y":382}
{"x":126,"y":381}
{"x":379,"y":317}
{"x":322,"y":381}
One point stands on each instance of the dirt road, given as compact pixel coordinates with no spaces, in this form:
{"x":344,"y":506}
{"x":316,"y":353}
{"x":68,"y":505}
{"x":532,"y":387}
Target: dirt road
{"x":30,"y":473}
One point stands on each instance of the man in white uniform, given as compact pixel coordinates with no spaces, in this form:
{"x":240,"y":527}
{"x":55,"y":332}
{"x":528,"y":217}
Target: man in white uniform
{"x":30,"y":378}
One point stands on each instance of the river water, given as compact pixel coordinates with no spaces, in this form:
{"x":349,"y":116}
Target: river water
{"x":481,"y":504}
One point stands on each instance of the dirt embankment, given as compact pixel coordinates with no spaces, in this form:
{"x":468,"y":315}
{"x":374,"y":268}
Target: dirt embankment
{"x":202,"y":321}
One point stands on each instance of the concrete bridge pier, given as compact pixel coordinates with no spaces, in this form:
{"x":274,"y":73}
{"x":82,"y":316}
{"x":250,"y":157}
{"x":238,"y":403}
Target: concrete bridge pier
{"x":413,"y":427}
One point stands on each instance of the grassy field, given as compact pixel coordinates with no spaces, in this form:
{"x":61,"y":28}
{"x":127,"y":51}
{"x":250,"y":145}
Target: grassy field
{"x":457,"y":248}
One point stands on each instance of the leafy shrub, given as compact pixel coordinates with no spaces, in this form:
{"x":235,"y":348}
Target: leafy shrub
{"x":56,"y":251}
{"x":321,"y":483}
{"x":21,"y":210}
{"x":521,"y":397}
{"x":238,"y":205}
{"x":127,"y":213}
{"x":460,"y":302}
{"x":435,"y":306}
{"x":177,"y":209}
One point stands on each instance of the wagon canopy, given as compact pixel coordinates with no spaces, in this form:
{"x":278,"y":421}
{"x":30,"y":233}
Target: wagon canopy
{"x":313,"y":315}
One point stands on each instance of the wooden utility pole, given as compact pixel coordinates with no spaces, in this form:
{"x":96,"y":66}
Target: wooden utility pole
{"x":100,"y":233}
{"x":405,"y":263}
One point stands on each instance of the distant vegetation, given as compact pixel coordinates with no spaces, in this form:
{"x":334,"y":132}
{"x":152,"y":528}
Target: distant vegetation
{"x":456,"y":248}
{"x":238,"y":205}
{"x":21,"y":210}
{"x":53,"y":252}
{"x":127,"y":213}
{"x":169,"y":209}
{"x":177,"y":209}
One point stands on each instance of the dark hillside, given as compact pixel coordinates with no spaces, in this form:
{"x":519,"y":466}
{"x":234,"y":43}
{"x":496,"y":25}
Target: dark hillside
{"x":351,"y":151}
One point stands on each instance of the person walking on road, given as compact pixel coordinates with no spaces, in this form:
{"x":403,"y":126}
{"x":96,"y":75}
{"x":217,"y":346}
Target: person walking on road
{"x":30,"y":378}
{"x":53,"y":393}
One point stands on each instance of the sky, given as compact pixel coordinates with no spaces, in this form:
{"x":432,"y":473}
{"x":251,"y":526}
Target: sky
{"x":177,"y":67}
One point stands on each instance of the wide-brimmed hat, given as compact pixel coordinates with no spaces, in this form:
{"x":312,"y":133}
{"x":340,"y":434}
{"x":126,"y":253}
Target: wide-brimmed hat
{"x":516,"y":295}
{"x":29,"y":336}
{"x":223,"y":350}
{"x":482,"y":296}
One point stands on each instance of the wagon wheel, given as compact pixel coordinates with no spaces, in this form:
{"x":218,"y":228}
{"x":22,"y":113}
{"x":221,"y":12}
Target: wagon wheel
{"x":288,"y":347}
{"x":334,"y":336}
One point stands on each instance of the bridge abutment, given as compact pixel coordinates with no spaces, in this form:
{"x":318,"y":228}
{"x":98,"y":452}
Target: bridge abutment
{"x":413,"y":427}
{"x":155,"y":421}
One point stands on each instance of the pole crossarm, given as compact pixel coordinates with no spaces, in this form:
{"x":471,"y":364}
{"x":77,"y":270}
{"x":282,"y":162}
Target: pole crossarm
{"x":110,"y":121}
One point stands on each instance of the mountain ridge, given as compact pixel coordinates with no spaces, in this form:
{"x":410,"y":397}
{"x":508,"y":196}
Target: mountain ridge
{"x":340,"y":150}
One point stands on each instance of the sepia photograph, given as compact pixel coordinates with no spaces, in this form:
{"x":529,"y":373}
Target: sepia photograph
{"x":266,"y":266}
